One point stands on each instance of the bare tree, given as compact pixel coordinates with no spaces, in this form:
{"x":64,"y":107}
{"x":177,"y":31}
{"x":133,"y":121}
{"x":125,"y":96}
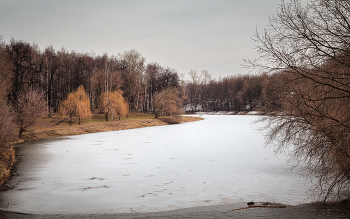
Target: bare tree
{"x":152,"y":73}
{"x":132,"y":77}
{"x":105,"y":78}
{"x":29,"y":107}
{"x":193,"y":88}
{"x":309,"y":44}
{"x":206,"y":78}
{"x":51,"y":68}
{"x":23,"y":66}
{"x":7,"y":126}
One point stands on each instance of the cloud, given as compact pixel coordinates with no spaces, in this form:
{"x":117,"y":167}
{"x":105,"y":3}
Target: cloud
{"x":184,"y":35}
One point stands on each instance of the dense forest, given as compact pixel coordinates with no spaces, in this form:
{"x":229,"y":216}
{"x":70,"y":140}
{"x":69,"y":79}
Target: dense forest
{"x":58,"y":73}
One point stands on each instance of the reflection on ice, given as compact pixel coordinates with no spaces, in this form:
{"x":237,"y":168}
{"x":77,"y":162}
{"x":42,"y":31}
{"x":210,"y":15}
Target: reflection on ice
{"x":219,"y":160}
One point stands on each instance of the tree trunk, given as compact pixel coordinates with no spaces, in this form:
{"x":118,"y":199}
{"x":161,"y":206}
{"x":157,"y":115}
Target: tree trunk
{"x":20,"y":132}
{"x":106,"y":115}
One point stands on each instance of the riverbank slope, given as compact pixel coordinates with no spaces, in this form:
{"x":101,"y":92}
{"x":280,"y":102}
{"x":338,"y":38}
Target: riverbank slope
{"x":135,"y":121}
{"x":305,"y":211}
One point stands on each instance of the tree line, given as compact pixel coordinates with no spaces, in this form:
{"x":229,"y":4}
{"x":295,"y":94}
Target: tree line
{"x":113,"y":85}
{"x":232,"y":93}
{"x":58,"y":73}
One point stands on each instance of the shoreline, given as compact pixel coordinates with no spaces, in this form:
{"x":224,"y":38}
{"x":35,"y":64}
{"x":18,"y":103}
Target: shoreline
{"x":115,"y":125}
{"x":309,"y":210}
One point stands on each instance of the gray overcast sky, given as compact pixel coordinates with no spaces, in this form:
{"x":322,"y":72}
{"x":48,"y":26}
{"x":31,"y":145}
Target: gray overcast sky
{"x":211,"y":35}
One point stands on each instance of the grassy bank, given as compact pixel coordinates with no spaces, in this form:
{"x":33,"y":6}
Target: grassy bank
{"x":7,"y":160}
{"x":58,"y":126}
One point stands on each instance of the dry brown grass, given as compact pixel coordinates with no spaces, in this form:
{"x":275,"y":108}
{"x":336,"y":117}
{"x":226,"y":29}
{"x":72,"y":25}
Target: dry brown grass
{"x":57,"y":126}
{"x":7,"y":160}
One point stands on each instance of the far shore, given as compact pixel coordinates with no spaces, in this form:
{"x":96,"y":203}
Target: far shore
{"x":93,"y":127}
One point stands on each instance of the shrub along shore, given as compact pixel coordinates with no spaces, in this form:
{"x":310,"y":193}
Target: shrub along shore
{"x":57,"y":126}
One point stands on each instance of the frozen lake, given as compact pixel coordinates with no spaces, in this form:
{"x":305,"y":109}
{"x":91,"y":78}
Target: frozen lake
{"x":220,"y":160}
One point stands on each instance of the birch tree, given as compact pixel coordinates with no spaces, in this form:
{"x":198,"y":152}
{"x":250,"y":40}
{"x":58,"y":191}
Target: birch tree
{"x":132,"y":77}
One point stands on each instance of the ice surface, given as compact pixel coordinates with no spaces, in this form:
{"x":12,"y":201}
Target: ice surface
{"x":219,"y":160}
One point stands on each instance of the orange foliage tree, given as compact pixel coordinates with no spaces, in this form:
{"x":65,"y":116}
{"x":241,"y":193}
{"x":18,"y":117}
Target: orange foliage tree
{"x":76,"y":104}
{"x":167,"y":103}
{"x":112,"y":102}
